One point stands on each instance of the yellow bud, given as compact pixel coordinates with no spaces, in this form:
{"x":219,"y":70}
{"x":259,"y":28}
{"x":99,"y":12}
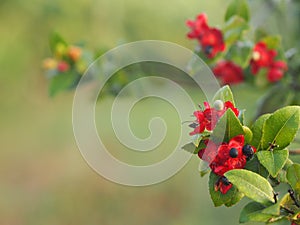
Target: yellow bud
{"x":49,"y":64}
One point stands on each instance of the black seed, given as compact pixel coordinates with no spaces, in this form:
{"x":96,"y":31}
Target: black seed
{"x":225,"y":181}
{"x":208,"y":49}
{"x":233,"y":153}
{"x":248,"y":151}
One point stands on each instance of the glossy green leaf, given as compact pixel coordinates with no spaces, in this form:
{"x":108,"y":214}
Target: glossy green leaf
{"x":190,"y":147}
{"x":224,"y":94}
{"x":253,"y":212}
{"x":248,"y":134}
{"x":273,"y":161}
{"x":230,"y":198}
{"x":274,"y":209}
{"x":238,"y":7}
{"x":257,"y":130}
{"x":255,"y":166}
{"x":242,"y":116}
{"x":252,"y":185}
{"x":293,"y":177}
{"x":281,"y":127}
{"x":227,"y":127}
{"x":234,"y":29}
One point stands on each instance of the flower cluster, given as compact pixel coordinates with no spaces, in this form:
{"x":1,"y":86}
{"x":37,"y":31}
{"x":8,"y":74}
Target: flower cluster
{"x":263,"y":57}
{"x":65,"y":58}
{"x":207,"y":118}
{"x":209,"y":38}
{"x":227,"y":156}
{"x":227,"y":67}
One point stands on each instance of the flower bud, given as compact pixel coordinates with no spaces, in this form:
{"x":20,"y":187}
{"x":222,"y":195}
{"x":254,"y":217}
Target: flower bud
{"x":74,"y":53}
{"x":219,"y":105}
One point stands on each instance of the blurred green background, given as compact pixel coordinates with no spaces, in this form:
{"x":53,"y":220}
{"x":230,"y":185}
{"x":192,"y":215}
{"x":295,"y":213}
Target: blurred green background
{"x":44,"y":179}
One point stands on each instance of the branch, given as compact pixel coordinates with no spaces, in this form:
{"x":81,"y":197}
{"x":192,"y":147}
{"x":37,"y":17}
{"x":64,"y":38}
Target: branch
{"x":294,"y":152}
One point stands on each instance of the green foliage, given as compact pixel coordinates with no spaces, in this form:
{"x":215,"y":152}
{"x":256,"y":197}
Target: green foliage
{"x":241,"y":53}
{"x":293,"y":177}
{"x":273,"y":161}
{"x":57,"y":43}
{"x":234,"y":29}
{"x":255,"y":166}
{"x":281,"y":127}
{"x":238,"y":7}
{"x":228,"y":127}
{"x":257,"y":130}
{"x":272,"y":42}
{"x":61,"y":82}
{"x":251,"y":185}
{"x":254,"y":212}
{"x":277,"y":97}
{"x":230,"y":198}
{"x":224,"y":94}
{"x":190,"y":147}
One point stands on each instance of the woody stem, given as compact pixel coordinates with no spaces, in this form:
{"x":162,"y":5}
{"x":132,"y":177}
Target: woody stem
{"x":295,"y":152}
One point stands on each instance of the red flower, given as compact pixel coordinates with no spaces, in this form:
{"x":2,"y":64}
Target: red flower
{"x":209,"y":152}
{"x":276,"y":71}
{"x":198,"y":27}
{"x":208,"y":118}
{"x":210,"y":39}
{"x":262,"y":57}
{"x":212,"y":42}
{"x":230,"y":156}
{"x":228,"y":72}
{"x":227,"y":156}
{"x":223,"y":185}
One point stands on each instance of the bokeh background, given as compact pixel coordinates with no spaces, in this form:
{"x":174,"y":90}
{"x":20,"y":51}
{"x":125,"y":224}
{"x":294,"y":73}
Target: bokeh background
{"x":43,"y":178}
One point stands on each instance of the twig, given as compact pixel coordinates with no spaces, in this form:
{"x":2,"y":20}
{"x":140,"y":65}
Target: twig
{"x":294,"y":152}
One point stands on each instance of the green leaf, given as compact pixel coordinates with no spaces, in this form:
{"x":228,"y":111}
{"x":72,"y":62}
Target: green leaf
{"x":257,"y":128}
{"x":230,"y":198}
{"x":248,"y":134}
{"x":253,"y":212}
{"x":227,"y":127}
{"x":281,"y":127}
{"x":293,"y":177}
{"x":238,"y":7}
{"x":273,"y":161}
{"x":62,"y":82}
{"x":242,"y":116}
{"x":255,"y":166}
{"x":272,"y":42}
{"x":252,"y":185}
{"x":224,"y":94}
{"x":240,"y":53}
{"x":234,"y":29}
{"x":55,"y":40}
{"x":190,"y":147}
{"x":272,"y":210}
